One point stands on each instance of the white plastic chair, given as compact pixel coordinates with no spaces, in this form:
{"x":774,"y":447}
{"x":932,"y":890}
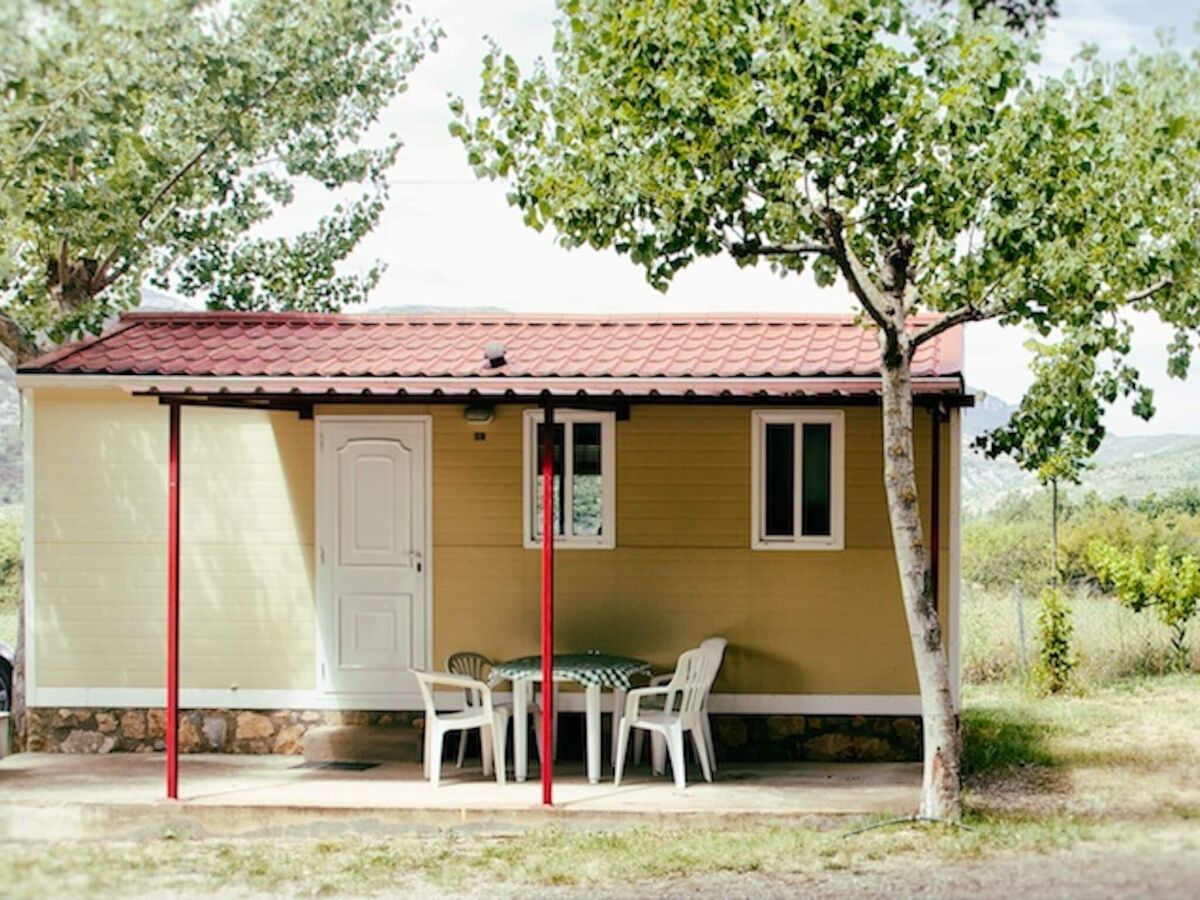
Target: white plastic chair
{"x":657,"y":747}
{"x":481,"y":713}
{"x":477,"y":666}
{"x":473,"y":665}
{"x":683,"y":710}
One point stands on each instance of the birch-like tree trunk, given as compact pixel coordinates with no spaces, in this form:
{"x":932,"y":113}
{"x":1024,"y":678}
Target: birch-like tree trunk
{"x":940,"y":798}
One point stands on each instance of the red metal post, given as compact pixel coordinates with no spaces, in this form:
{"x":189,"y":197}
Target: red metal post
{"x":548,"y":606}
{"x":172,"y":722}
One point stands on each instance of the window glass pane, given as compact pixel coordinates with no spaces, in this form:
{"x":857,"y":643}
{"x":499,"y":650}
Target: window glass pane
{"x":539,"y":484}
{"x":817,"y":478}
{"x":780,"y":443}
{"x":586,"y":491}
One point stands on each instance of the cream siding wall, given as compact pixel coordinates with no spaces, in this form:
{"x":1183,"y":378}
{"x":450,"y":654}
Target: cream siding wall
{"x":820,"y":622}
{"x":246,"y":595}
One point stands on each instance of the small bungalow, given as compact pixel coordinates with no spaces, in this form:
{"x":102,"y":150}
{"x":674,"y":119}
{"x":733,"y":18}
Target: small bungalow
{"x":330,"y":500}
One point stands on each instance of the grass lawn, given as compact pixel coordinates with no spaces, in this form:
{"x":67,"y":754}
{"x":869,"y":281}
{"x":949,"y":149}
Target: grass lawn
{"x":1114,"y":769}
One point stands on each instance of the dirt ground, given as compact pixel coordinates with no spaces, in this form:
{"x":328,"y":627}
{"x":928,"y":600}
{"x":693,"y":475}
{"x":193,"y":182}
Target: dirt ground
{"x":1079,"y":874}
{"x":1085,"y":796}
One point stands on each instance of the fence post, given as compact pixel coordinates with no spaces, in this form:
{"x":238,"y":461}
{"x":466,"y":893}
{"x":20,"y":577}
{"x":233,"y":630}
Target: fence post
{"x":1021,"y":629}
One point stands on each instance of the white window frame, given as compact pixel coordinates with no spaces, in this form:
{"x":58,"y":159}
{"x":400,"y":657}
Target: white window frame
{"x":607,"y":539}
{"x":837,"y":477}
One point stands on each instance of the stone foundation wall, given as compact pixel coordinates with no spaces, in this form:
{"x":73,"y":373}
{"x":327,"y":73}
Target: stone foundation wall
{"x":817,"y":738}
{"x":740,"y":738}
{"x":200,"y":730}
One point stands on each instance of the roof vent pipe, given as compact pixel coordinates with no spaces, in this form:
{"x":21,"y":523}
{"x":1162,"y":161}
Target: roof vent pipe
{"x":494,"y":351}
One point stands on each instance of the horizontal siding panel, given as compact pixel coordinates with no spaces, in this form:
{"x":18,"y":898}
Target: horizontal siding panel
{"x":818,"y":622}
{"x":796,"y":630}
{"x":807,"y":621}
{"x":248,"y":562}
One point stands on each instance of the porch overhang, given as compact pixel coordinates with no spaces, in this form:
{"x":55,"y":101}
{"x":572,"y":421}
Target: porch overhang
{"x":300,"y":394}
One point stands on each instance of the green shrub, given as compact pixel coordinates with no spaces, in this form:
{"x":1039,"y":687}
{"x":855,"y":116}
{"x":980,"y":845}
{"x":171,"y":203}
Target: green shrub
{"x":1166,"y":583}
{"x":1112,"y":641}
{"x":1012,"y":542}
{"x":1056,"y":653}
{"x":998,"y":553}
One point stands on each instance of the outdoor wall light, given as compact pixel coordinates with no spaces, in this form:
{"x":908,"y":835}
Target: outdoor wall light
{"x":479,"y":415}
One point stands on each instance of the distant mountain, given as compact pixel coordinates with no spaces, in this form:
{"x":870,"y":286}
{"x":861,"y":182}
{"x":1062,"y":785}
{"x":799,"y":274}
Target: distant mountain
{"x":989,"y":412}
{"x":1132,"y":467}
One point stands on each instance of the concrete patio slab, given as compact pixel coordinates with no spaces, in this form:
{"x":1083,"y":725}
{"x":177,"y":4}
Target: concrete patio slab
{"x":82,"y":796}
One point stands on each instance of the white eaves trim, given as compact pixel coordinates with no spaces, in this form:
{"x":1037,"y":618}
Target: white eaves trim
{"x":285,"y":384}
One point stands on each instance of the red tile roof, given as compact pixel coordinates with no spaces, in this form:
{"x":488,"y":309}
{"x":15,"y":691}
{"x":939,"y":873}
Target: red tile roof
{"x":371,"y":349}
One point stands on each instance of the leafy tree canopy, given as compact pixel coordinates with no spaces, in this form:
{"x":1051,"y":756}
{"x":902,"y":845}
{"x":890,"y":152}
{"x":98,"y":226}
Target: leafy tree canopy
{"x":1026,"y":15}
{"x":907,"y":149}
{"x":153,"y":139}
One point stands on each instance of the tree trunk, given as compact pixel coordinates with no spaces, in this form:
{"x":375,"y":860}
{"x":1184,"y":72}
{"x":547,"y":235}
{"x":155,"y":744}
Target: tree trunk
{"x":17,"y":698}
{"x":1179,"y":648}
{"x":940,"y":797}
{"x":1054,"y":574}
{"x":15,"y":345}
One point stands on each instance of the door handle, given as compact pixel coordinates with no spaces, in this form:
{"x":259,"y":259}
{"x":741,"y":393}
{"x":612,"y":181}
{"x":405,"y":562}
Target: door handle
{"x":417,"y":563}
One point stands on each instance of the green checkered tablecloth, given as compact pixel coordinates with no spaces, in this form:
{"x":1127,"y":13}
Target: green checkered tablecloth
{"x":591,"y":669}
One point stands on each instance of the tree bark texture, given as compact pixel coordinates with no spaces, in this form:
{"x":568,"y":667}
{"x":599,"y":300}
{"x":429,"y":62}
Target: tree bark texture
{"x":940,"y":797}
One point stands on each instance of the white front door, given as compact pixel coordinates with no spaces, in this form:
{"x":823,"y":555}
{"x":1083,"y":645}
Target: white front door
{"x":372,"y":549}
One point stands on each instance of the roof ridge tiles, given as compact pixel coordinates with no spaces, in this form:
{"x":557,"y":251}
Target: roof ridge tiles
{"x":294,"y":345}
{"x":504,"y":318}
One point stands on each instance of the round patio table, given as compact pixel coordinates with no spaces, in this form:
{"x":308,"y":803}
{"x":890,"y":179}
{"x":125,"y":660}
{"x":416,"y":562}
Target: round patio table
{"x":593,"y":670}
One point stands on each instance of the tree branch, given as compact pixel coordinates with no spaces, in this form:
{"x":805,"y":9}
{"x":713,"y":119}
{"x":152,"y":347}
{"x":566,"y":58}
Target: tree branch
{"x":744,"y":249}
{"x":1144,"y":293}
{"x":15,"y":345}
{"x":968,"y":313}
{"x":100,"y":280}
{"x":41,"y":129}
{"x":854,"y":271}
{"x":948,"y":321}
{"x":990,"y":310}
{"x":62,"y":268}
{"x":179,"y":176}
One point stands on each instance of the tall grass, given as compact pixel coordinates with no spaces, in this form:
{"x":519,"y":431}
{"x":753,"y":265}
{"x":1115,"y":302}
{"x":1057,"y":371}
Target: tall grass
{"x":1112,"y":642}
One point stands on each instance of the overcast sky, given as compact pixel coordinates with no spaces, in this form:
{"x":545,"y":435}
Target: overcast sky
{"x":450,"y":240}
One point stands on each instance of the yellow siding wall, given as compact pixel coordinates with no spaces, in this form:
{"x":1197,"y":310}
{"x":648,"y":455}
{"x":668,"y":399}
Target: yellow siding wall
{"x":822,"y":622}
{"x":246,"y":587}
{"x":797,"y":621}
